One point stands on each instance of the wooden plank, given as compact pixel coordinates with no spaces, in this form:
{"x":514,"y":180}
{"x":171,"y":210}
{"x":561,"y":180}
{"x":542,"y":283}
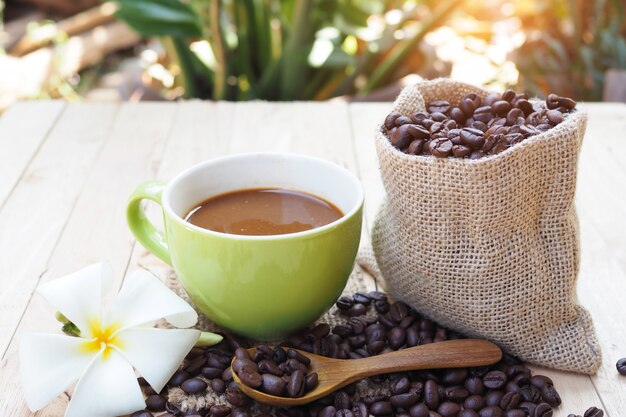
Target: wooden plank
{"x":97,"y":227}
{"x":602,"y":210}
{"x":202,"y":131}
{"x":365,"y":119}
{"x":32,"y":220}
{"x":23,"y":128}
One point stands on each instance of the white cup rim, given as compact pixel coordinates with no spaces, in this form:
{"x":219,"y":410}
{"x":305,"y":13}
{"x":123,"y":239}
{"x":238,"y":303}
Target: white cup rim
{"x":165,"y":197}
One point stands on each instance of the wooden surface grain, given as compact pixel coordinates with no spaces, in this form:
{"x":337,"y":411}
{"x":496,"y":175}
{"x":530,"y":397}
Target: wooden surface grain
{"x":66,"y":171}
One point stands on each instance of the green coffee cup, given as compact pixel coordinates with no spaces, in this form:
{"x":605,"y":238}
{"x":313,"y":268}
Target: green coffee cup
{"x":258,"y":286}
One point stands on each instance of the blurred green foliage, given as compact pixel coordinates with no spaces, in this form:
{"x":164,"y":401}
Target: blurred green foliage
{"x":569,"y":46}
{"x":288,"y":49}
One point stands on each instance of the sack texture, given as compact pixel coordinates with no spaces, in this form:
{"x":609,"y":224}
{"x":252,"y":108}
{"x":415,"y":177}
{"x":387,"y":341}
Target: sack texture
{"x":489,"y":247}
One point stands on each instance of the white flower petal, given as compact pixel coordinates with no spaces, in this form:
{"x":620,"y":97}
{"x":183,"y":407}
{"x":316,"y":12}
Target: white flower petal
{"x":50,"y":364}
{"x":108,"y":388}
{"x":156,"y":353}
{"x":144,"y":299}
{"x":79,"y":295}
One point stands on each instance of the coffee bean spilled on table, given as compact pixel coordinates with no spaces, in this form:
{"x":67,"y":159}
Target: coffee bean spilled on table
{"x":372,"y":325}
{"x":477,"y":127}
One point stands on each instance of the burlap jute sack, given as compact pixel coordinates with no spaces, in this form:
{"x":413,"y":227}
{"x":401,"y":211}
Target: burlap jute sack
{"x":489,"y":247}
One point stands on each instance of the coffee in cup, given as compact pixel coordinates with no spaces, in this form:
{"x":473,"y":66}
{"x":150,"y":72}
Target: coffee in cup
{"x":269,"y":283}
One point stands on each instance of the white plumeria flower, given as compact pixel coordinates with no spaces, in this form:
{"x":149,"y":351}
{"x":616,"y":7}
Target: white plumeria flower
{"x":110,"y":343}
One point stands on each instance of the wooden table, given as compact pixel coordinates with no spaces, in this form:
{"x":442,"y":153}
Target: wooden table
{"x":66,"y":171}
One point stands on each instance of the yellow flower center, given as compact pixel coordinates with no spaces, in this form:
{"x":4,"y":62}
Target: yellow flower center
{"x":102,"y":338}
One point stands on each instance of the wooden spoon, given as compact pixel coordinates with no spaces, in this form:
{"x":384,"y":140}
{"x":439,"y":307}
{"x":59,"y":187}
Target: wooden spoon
{"x":337,"y":373}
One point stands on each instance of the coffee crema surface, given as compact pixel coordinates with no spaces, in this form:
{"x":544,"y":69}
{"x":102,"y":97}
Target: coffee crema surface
{"x":263,"y":211}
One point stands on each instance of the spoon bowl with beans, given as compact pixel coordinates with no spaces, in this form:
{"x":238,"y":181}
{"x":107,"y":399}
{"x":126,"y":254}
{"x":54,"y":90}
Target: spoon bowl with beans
{"x":290,"y":377}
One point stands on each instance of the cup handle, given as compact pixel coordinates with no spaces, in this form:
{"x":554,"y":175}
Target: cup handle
{"x":138,"y":222}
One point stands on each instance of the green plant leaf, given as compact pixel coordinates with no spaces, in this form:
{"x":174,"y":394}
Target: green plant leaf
{"x":159,"y":17}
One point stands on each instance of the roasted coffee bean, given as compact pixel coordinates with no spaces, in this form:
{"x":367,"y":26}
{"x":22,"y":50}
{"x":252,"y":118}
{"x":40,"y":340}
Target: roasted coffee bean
{"x":500,"y":107}
{"x":400,"y":139}
{"x":273,"y":384}
{"x":381,"y":306}
{"x":449,"y":409}
{"x":510,"y":400}
{"x":515,"y":413}
{"x":359,"y":409}
{"x":236,"y":397}
{"x":397,"y":337}
{"x":474,"y":402}
{"x":461,"y":151}
{"x":250,"y":377}
{"x":418,"y":132}
{"x":472,"y":138}
{"x":468,"y":107}
{"x":210,"y":373}
{"x":474,"y":385}
{"x":431,"y":394}
{"x":400,"y":386}
{"x":555,"y":117}
{"x":494,"y":397}
{"x":440,"y":106}
{"x":549,"y":395}
{"x":310,"y":381}
{"x":512,"y":387}
{"x":390,"y":120}
{"x":543,"y":410}
{"x":344,"y":413}
{"x":552,"y":101}
{"x":495,"y":380}
{"x":509,"y":95}
{"x":269,"y":366}
{"x":344,"y":303}
{"x":404,"y":400}
{"x":403,"y":120}
{"x":381,"y":408}
{"x":468,"y":413}
{"x":294,"y":354}
{"x":295,"y":387}
{"x":456,"y":394}
{"x":621,"y":366}
{"x":195,"y":365}
{"x":530,"y":393}
{"x":179,"y":377}
{"x":227,"y":375}
{"x":155,"y":403}
{"x":440,"y":147}
{"x":593,"y":412}
{"x":240,"y":364}
{"x":218,"y":386}
{"x":458,"y":115}
{"x":438,"y":117}
{"x":193,"y":386}
{"x":328,"y":411}
{"x":342,"y":400}
{"x":454,"y":376}
{"x":566,"y":102}
{"x":528,"y":407}
{"x":219,"y":410}
{"x":483,"y":114}
{"x":491,"y":411}
{"x":419,"y":410}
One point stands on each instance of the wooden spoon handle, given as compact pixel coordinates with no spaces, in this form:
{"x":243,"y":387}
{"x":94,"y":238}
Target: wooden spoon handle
{"x":449,"y":354}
